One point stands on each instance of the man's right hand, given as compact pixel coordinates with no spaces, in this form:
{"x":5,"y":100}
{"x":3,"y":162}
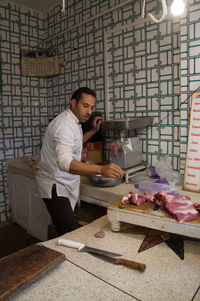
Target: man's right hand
{"x":112,"y":171}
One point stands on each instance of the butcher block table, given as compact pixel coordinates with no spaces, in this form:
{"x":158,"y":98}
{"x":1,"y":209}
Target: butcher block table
{"x":26,"y":266}
{"x":84,"y":277}
{"x":145,"y":215}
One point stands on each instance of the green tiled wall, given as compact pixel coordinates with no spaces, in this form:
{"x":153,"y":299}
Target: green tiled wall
{"x":142,"y":69}
{"x":23,"y":100}
{"x":141,"y":63}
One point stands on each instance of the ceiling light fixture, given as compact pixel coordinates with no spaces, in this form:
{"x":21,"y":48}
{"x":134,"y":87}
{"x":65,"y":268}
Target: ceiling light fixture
{"x":177,"y":7}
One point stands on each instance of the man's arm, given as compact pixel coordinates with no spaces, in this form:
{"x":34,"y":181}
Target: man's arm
{"x":95,"y":128}
{"x":110,"y":170}
{"x":88,"y":135}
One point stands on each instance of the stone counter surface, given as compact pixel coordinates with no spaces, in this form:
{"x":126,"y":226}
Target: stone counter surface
{"x":106,"y":194}
{"x":27,"y":167}
{"x":85,"y":277}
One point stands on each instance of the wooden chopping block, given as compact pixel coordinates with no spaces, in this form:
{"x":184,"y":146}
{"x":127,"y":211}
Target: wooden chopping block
{"x":20,"y":269}
{"x":145,"y":216}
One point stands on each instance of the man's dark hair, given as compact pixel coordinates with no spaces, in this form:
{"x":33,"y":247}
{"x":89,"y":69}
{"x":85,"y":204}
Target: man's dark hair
{"x":78,"y":93}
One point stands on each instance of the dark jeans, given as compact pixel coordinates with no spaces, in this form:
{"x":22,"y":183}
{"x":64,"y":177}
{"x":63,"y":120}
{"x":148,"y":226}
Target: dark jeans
{"x":61,"y":212}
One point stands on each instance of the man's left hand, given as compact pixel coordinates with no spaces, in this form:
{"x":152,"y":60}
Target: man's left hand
{"x":96,"y":123}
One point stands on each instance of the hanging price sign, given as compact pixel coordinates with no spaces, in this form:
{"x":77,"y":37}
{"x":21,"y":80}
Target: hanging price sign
{"x":192,"y":167}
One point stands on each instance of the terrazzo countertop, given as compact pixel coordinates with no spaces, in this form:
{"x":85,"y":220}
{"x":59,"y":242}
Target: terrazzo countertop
{"x":106,"y":194}
{"x":84,"y":277}
{"x":27,"y":167}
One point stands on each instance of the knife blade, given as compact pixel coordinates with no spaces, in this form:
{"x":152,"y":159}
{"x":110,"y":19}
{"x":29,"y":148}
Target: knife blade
{"x":128,"y":263}
{"x":83,"y":248}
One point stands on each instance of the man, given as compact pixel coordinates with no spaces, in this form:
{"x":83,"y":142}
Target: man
{"x":58,"y":177}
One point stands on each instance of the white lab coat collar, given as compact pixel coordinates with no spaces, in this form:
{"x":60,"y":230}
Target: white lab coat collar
{"x":72,"y":114}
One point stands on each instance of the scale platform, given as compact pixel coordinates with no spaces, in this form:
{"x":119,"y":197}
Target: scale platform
{"x":145,"y":216}
{"x":133,"y":171}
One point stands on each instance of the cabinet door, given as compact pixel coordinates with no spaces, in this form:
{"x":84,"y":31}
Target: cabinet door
{"x":27,"y":208}
{"x":19,"y":199}
{"x":39,"y":216}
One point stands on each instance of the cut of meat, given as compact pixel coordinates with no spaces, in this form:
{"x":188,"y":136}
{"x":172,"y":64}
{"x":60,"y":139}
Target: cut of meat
{"x":180,"y":206}
{"x":149,"y":196}
{"x":137,"y":198}
{"x":161,"y":197}
{"x":133,"y":198}
{"x":126,"y":199}
{"x":114,"y":148}
{"x":100,"y":234}
{"x":197,"y":206}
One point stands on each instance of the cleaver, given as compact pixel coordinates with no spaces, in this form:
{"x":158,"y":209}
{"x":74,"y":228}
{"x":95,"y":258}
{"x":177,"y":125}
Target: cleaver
{"x":83,"y":248}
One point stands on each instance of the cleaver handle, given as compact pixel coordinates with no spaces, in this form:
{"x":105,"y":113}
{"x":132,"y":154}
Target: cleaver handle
{"x":71,"y":243}
{"x":131,"y":264}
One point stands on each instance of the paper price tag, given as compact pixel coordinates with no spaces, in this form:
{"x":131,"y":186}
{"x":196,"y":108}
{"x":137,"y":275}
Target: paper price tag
{"x":192,"y":167}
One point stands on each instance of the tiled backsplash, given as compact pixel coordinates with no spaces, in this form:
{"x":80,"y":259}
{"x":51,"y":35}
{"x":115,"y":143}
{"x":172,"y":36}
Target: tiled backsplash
{"x":23,"y":99}
{"x":137,"y":68}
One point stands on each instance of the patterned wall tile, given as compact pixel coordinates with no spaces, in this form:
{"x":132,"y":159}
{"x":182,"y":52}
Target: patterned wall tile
{"x":23,"y":100}
{"x":144,"y":63}
{"x":143,"y":71}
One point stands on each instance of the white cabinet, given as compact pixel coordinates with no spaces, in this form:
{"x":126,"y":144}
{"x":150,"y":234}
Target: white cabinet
{"x":27,"y":208}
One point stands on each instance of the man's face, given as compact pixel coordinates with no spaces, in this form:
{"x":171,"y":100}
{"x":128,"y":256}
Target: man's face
{"x":84,"y":108}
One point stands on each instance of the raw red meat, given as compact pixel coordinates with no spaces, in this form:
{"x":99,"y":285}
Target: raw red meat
{"x":133,"y":198}
{"x":137,"y":198}
{"x":197,"y":206}
{"x":126,"y":199}
{"x":180,"y":206}
{"x":149,"y":196}
{"x":114,"y":148}
{"x":100,"y":234}
{"x":160,"y":198}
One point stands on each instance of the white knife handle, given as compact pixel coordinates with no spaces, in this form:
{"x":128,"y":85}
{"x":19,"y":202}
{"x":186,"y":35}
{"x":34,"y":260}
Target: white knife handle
{"x":71,"y":243}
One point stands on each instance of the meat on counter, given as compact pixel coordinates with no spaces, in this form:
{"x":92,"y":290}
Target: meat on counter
{"x":114,"y":148}
{"x":197,"y":206}
{"x":179,"y":206}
